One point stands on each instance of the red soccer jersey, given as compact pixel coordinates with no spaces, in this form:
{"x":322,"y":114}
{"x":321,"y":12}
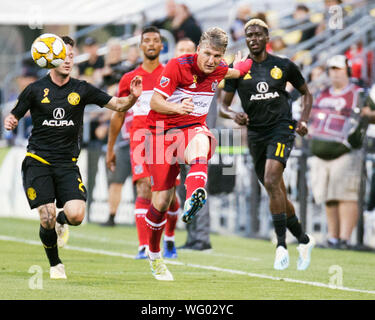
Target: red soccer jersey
{"x":183,"y":79}
{"x":142,"y":107}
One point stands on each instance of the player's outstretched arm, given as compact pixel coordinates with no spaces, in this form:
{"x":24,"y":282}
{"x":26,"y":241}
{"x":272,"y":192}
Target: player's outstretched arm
{"x":122,"y":104}
{"x":159,"y":104}
{"x":117,"y":120}
{"x":10,"y":122}
{"x":241,"y":66}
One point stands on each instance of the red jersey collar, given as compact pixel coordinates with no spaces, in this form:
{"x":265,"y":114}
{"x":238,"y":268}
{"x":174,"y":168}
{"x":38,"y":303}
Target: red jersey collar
{"x":159,"y":66}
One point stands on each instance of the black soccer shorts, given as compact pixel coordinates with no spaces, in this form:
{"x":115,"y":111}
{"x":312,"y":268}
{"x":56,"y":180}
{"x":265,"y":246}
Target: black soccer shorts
{"x":277,"y":144}
{"x":44,"y":183}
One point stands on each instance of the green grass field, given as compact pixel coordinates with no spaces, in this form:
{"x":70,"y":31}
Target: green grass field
{"x":3,"y":152}
{"x":100,"y":265}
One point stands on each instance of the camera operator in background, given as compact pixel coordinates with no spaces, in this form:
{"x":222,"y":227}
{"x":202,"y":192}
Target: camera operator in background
{"x":338,"y":124}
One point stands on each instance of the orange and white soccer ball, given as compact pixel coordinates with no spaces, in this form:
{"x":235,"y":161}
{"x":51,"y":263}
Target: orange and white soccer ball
{"x":48,"y":51}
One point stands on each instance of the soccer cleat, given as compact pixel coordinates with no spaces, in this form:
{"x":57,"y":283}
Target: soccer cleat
{"x":281,"y":258}
{"x":194,"y":204}
{"x":159,"y":270}
{"x":62,"y":231}
{"x":57,"y":272}
{"x":169,"y":251}
{"x":141,"y":254}
{"x":109,"y":223}
{"x":305,"y":254}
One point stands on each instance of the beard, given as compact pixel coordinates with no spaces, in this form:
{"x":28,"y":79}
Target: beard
{"x":152,"y":57}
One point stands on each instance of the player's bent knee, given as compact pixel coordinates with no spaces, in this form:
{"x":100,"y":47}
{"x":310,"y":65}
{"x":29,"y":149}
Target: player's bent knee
{"x":76,"y":219}
{"x":75,"y":211}
{"x":271,"y":183}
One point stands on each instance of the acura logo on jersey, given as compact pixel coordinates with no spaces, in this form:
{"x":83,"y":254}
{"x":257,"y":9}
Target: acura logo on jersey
{"x":59,"y":113}
{"x":262,"y":87}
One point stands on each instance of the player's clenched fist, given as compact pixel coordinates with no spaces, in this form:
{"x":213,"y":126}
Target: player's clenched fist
{"x":186,"y":106}
{"x":10,"y":122}
{"x":241,"y":118}
{"x":111,"y":160}
{"x":302,"y":128}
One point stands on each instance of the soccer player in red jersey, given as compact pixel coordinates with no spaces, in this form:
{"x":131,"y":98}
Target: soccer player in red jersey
{"x":149,"y":71}
{"x":179,"y":107}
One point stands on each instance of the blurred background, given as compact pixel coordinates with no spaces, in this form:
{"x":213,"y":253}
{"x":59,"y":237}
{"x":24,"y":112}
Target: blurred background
{"x":107,"y":35}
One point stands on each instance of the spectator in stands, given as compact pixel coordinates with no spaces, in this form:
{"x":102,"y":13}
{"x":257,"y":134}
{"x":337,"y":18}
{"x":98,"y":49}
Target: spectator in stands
{"x":262,"y":16}
{"x":133,"y":59}
{"x":166,"y":22}
{"x":318,"y":80}
{"x":301,"y":16}
{"x":116,"y":66}
{"x":277,"y":46}
{"x":184,"y":46}
{"x":243,"y":15}
{"x":184,"y":25}
{"x":358,"y":60}
{"x":112,"y":70}
{"x":91,"y":70}
{"x":336,"y":165}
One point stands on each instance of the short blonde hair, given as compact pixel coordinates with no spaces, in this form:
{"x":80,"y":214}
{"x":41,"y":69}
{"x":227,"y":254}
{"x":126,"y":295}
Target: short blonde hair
{"x":256,"y":22}
{"x":215,"y":37}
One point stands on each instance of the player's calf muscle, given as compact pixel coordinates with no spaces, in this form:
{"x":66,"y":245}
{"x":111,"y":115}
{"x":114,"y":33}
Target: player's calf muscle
{"x":47,"y":214}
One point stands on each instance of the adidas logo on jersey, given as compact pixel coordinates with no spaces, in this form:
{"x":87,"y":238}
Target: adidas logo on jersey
{"x":247,"y":76}
{"x":45,"y":100}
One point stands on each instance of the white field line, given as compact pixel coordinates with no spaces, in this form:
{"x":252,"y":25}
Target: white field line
{"x":197,"y":266}
{"x":125,"y":242}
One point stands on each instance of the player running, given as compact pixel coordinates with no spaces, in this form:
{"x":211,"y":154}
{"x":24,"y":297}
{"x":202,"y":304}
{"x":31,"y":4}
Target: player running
{"x":49,"y":170}
{"x":149,"y":70}
{"x":271,"y":132}
{"x":179,"y":107}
